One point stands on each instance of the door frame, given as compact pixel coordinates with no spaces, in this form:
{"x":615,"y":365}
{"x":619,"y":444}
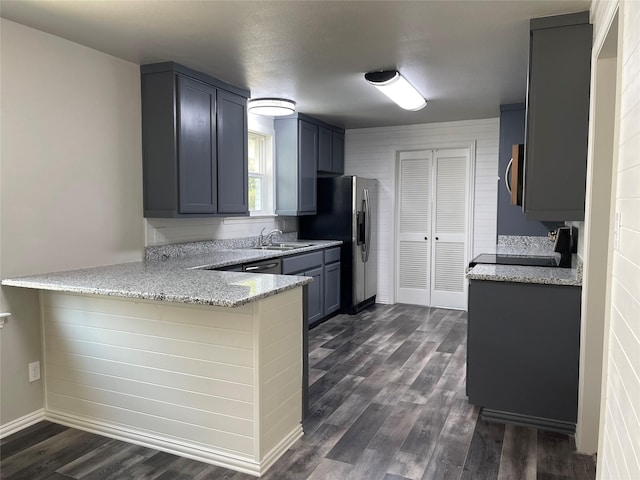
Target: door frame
{"x":599,"y":231}
{"x":395,"y":151}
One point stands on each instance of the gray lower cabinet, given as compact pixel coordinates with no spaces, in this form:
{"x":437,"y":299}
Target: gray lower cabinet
{"x":557,"y":117}
{"x":523,"y":352}
{"x":310,"y":265}
{"x":194,"y":144}
{"x":323,"y":296}
{"x":331,"y":288}
{"x":315,"y":306}
{"x":331,"y":280}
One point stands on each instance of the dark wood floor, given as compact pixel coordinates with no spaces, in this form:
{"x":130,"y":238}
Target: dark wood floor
{"x":387,"y":402}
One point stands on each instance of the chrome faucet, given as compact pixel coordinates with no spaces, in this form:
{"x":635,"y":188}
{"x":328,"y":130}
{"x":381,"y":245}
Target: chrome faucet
{"x":268,"y":239}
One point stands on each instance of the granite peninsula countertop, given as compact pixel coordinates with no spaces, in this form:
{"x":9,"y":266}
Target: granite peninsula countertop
{"x":182,"y":279}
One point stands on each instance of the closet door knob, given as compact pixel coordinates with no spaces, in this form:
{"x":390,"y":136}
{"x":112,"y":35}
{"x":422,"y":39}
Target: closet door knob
{"x":426,"y":238}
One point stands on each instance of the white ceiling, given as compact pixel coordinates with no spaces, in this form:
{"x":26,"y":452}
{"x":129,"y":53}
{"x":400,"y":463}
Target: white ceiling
{"x":465,"y":57}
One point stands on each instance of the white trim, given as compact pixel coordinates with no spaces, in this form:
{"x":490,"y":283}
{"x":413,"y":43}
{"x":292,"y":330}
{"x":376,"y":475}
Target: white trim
{"x":471,"y":203}
{"x":276,"y":452}
{"x":21,"y":423}
{"x":171,"y":445}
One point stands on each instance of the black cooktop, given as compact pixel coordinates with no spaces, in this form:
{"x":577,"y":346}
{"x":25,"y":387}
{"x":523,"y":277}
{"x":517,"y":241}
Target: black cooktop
{"x":522,"y":260}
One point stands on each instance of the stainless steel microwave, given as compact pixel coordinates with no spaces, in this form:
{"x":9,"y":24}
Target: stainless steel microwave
{"x":513,"y":175}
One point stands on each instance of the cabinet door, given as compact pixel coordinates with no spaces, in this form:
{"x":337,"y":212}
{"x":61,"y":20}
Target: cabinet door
{"x":232,"y":154}
{"x":557,"y":123}
{"x":308,"y":166}
{"x":315,"y":305}
{"x":524,"y":348}
{"x":337,"y":157}
{"x":196,"y":147}
{"x":331,"y":288}
{"x":324,"y":150}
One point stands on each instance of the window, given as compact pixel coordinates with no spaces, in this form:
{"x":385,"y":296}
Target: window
{"x":260,"y":175}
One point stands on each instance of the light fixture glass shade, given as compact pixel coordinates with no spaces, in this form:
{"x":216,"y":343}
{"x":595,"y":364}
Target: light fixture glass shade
{"x":396,"y":87}
{"x":272,"y":107}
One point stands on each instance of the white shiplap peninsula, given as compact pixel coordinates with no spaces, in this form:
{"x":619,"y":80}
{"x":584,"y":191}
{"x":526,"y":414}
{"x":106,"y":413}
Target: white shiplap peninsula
{"x":203,"y":364}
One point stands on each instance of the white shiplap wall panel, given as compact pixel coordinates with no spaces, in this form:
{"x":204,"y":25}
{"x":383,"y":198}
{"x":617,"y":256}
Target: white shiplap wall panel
{"x":619,"y":454}
{"x":64,"y":346}
{"x":280,"y":358}
{"x":188,"y":397}
{"x":221,"y":384}
{"x":370,"y":153}
{"x":200,"y":351}
{"x":176,"y":430}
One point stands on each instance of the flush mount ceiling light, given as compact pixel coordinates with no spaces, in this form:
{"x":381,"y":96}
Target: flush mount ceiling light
{"x":272,"y":107}
{"x":394,"y":86}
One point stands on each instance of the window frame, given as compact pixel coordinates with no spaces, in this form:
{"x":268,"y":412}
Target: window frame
{"x":266,"y":175}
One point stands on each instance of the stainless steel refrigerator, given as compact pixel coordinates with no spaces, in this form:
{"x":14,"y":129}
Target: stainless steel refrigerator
{"x":346,"y":210}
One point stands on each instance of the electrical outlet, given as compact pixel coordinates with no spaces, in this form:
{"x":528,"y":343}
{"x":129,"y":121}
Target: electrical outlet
{"x":616,"y":231}
{"x":34,"y":371}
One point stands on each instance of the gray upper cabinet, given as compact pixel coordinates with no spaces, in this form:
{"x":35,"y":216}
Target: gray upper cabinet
{"x":197,"y":172}
{"x":305,"y":148}
{"x":296,"y":166}
{"x":232,"y":154}
{"x":557,"y":117}
{"x":308,"y":165}
{"x":337,"y":148}
{"x":325,"y":152}
{"x":330,"y":151}
{"x":194,"y":141}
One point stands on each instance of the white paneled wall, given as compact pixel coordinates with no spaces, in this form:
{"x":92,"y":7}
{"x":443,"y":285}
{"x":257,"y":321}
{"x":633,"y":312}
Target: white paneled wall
{"x":619,"y":455}
{"x":371,"y":153}
{"x":222,"y":385}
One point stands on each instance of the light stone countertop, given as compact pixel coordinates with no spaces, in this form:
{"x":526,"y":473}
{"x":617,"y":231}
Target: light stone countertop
{"x":530,"y":247}
{"x":182,"y":279}
{"x":520,"y":274}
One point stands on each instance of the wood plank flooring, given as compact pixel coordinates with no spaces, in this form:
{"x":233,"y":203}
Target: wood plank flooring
{"x":387,"y":402}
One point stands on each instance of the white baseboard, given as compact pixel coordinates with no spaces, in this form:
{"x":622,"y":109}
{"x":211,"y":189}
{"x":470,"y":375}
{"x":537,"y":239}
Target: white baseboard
{"x":171,"y":445}
{"x":276,"y":452}
{"x":21,"y":423}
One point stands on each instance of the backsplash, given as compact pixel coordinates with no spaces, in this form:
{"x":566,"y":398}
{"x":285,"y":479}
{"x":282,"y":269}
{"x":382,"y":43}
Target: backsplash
{"x":524,"y":245}
{"x":161,"y":231}
{"x":163,"y":252}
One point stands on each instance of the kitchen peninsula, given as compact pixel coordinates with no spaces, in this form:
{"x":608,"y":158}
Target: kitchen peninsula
{"x":173,"y":355}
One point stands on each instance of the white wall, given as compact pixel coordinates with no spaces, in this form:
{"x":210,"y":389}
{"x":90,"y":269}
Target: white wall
{"x":619,"y":450}
{"x":71,"y":185}
{"x":370,"y":153}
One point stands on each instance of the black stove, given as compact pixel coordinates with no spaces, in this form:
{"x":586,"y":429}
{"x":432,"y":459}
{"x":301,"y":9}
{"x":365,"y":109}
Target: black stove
{"x":521,"y":260}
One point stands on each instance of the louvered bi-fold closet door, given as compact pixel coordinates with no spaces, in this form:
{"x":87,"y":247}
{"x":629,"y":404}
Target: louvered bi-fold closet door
{"x":448,"y":283}
{"x":414,"y":227}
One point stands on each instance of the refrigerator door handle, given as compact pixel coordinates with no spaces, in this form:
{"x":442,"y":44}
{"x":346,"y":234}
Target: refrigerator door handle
{"x":367,"y":212}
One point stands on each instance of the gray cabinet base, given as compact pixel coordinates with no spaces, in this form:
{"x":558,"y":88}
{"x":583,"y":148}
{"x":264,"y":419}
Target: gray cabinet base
{"x":523,"y":349}
{"x":527,"y":421}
